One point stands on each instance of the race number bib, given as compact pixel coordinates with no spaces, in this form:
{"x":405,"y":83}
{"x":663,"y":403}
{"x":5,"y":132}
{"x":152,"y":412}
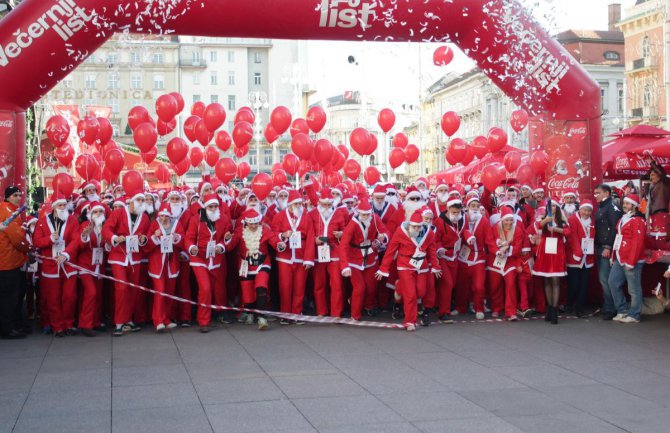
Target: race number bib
{"x":32,"y":267}
{"x":132,"y":244}
{"x":295,"y":241}
{"x":551,"y":246}
{"x":464,"y":253}
{"x":96,"y":256}
{"x":588,"y":247}
{"x":57,"y":248}
{"x":617,"y":242}
{"x":211,"y":250}
{"x":417,"y":261}
{"x":457,"y":246}
{"x":244,"y":269}
{"x":500,"y":261}
{"x":323,"y":252}
{"x":167,"y":244}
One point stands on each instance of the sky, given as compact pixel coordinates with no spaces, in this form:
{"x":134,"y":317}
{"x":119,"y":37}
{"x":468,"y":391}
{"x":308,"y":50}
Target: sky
{"x":382,"y":66}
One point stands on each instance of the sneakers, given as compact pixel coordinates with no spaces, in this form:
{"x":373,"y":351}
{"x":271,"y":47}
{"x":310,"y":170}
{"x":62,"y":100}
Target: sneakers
{"x":171,"y":325}
{"x":410,"y":327}
{"x":372,"y":312}
{"x":249,"y":319}
{"x":131,"y":327}
{"x":455,"y":312}
{"x":204,"y":329}
{"x":514,"y":318}
{"x":299,"y":322}
{"x":118,"y":331}
{"x":224,"y":319}
{"x":284,"y":322}
{"x":71,"y":332}
{"x":446,"y":319}
{"x":262,"y":324}
{"x":397,"y":311}
{"x":526,"y":313}
{"x":185,"y":324}
{"x":160,"y":328}
{"x":87,"y":332}
{"x":495,"y":315}
{"x":629,"y":319}
{"x":478,"y":316}
{"x":619,"y":317}
{"x":425,"y":318}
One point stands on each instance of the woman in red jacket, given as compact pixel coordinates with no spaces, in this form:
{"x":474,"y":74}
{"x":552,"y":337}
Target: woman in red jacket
{"x":165,"y":243}
{"x":580,"y":255}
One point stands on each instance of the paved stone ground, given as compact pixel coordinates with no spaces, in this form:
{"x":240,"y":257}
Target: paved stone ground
{"x":581,"y":376}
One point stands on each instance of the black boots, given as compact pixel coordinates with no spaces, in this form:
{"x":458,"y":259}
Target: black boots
{"x":552,"y":315}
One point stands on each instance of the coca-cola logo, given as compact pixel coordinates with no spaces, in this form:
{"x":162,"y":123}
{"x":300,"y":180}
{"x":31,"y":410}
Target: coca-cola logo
{"x":6,"y":126}
{"x":561,"y":184}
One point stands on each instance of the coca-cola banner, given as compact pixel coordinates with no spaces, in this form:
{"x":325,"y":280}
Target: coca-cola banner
{"x":7,"y":142}
{"x":99,"y":111}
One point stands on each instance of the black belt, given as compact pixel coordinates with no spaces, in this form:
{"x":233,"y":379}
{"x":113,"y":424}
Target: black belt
{"x":257,"y":261}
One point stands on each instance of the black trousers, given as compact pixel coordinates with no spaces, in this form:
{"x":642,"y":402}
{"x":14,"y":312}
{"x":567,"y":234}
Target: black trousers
{"x":578,"y":284}
{"x":10,"y":286}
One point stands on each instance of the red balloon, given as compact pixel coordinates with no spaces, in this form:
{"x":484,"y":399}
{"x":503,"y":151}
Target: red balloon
{"x":302,"y":146}
{"x":525,"y":174}
{"x":512,"y":161}
{"x":411,"y":153}
{"x":299,"y":126}
{"x":469,"y":155}
{"x":352,"y":169}
{"x":163,"y":172}
{"x":63,"y":183}
{"x":65,"y":155}
{"x":115,"y":159}
{"x":519,"y":120}
{"x":245,"y":114}
{"x":400,"y":140}
{"x":304,"y":167}
{"x":457,"y":149}
{"x":132,"y":182}
{"x":451,"y":121}
{"x":214,"y":116}
{"x":442,"y":56}
{"x":480,"y":146}
{"x":88,"y":129}
{"x":226,"y":169}
{"x":324,"y":151}
{"x":198,"y":109}
{"x":177,"y":150}
{"x":360,"y":140}
{"x":241,"y":152}
{"x":196,"y":155}
{"x":150,"y":156}
{"x":223,"y":140}
{"x":243,"y":132}
{"x":106,"y":131}
{"x":372,"y":144}
{"x":108,"y":176}
{"x":539,"y":161}
{"x":87,"y":167}
{"x":145,"y":136}
{"x":497,"y":139}
{"x":371,"y":175}
{"x":290,"y":164}
{"x":279,"y":177}
{"x":450,"y":158}
{"x":334,"y":178}
{"x":270,"y":134}
{"x":338,"y":164}
{"x":261,"y":185}
{"x":181,"y":168}
{"x":189,"y":128}
{"x":165,"y":128}
{"x":396,"y":157}
{"x":243,"y":170}
{"x":211,"y":156}
{"x":58,"y":130}
{"x":316,"y":119}
{"x":343,"y":150}
{"x":202,"y":134}
{"x":280,"y":119}
{"x":179,"y":100}
{"x":277,"y":166}
{"x":386,"y":119}
{"x":166,"y":108}
{"x":138,"y":115}
{"x":491,"y":176}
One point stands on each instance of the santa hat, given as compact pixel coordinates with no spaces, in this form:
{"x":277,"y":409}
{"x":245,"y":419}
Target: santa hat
{"x":117,"y":187}
{"x":340,"y":188}
{"x":390,"y":188}
{"x":441,"y":184}
{"x":165,"y":210}
{"x":204,"y":183}
{"x":187,"y":189}
{"x":412,"y":191}
{"x":120,"y":201}
{"x":416,"y":218}
{"x":454,"y":202}
{"x":346,"y":198}
{"x":134,"y":195}
{"x":93,"y":206}
{"x":58,"y":198}
{"x":284,"y":189}
{"x":326,"y":194}
{"x":91,"y":183}
{"x":528,"y":187}
{"x":252,"y":216}
{"x":454,"y":192}
{"x":364,"y":207}
{"x":294,"y":197}
{"x":174,"y":192}
{"x":472,"y":193}
{"x":379,"y":191}
{"x":586,"y":203}
{"x":538,"y":189}
{"x":570,"y":192}
{"x":420,"y":181}
{"x":425,"y":210}
{"x":633,"y":199}
{"x":210,"y":199}
{"x":506,"y":212}
{"x":30,"y":220}
{"x":472,"y":199}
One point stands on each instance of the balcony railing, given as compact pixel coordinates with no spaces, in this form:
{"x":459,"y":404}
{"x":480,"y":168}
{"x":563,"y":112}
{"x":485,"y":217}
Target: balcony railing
{"x":644,"y":63}
{"x":191,"y":63}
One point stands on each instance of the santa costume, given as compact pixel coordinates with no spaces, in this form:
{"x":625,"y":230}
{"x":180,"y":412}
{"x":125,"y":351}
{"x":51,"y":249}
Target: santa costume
{"x":550,"y":259}
{"x":450,"y":229}
{"x":580,"y":257}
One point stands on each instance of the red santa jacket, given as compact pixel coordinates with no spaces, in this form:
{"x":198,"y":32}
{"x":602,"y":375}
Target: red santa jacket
{"x":513,"y":252}
{"x":261,"y":259}
{"x":451,"y":238}
{"x":120,"y":224}
{"x":199,"y":234}
{"x":578,"y":232}
{"x":160,"y":262}
{"x":284,"y":222}
{"x":68,"y":232}
{"x":414,"y":254}
{"x":658,"y":228}
{"x":633,"y":230}
{"x":475,"y":253}
{"x":325,"y":228}
{"x":86,"y":246}
{"x":385,"y":213}
{"x":358,"y":249}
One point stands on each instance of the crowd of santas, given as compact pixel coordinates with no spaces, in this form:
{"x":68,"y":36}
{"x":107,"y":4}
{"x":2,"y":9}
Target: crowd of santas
{"x":452,"y":250}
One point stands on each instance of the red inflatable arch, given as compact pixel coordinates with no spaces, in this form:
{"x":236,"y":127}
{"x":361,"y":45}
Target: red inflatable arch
{"x":41,"y":41}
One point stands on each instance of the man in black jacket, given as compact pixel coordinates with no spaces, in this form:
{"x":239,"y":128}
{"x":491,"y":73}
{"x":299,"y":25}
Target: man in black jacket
{"x":606,"y":220}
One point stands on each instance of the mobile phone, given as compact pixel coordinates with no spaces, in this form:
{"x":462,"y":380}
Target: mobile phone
{"x":657,"y":290}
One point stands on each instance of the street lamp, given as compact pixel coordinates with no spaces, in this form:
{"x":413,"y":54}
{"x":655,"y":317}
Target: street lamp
{"x":258,"y":101}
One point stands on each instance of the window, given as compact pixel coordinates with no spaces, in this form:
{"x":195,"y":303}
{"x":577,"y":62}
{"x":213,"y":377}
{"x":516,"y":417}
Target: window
{"x":252,"y":160}
{"x":603,"y":97}
{"x":620,"y":101}
{"x":213,"y":78}
{"x":647,"y":96}
{"x":115,"y":130}
{"x":213,"y":56}
{"x":67,"y":83}
{"x":112,"y":58}
{"x":90,"y":81}
{"x":646,"y":47}
{"x":195,"y":56}
{"x":113,"y":80}
{"x":157,"y":58}
{"x":257,"y":57}
{"x":257,"y":78}
{"x":231,"y":125}
{"x":114,"y":103}
{"x":231,"y":78}
{"x":231,"y":102}
{"x":196,"y":98}
{"x":213,"y":98}
{"x":136,"y":81}
{"x":282,"y":153}
{"x":89,"y":102}
{"x":612,"y":55}
{"x":231,"y":56}
{"x":267,"y":157}
{"x":196,"y":78}
{"x":159,"y":82}
{"x":135,"y":57}
{"x":136,"y":102}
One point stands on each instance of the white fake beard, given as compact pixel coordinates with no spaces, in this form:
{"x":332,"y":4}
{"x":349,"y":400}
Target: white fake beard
{"x":377,"y":207}
{"x":176,"y":210}
{"x":411,"y":207}
{"x":252,"y":239}
{"x":443,"y":197}
{"x":282,"y":204}
{"x":474,"y":215}
{"x":337,"y":201}
{"x":214,"y":215}
{"x":297,"y":212}
{"x":149,"y":208}
{"x":138,"y":208}
{"x":425,"y":194}
{"x":392,"y":200}
{"x":327,"y":212}
{"x":255,"y":206}
{"x":62,"y":214}
{"x":570,"y":208}
{"x":98,"y":222}
{"x":93,"y":197}
{"x":413,"y":233}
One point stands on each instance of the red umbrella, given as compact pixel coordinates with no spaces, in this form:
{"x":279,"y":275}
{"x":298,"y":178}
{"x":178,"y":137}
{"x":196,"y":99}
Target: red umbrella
{"x":658,"y":148}
{"x":620,"y":145}
{"x":641,"y":130}
{"x":627,"y":166}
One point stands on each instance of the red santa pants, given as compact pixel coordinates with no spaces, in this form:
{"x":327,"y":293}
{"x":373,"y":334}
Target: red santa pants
{"x":327,"y":277}
{"x":219,"y":289}
{"x":142,"y":298}
{"x":470,"y":280}
{"x":60,"y":296}
{"x":207,"y":280}
{"x":250,"y":285}
{"x":182,"y":310}
{"x":90,"y":305}
{"x":364,"y":286}
{"x":292,"y":280}
{"x":439,"y":291}
{"x":412,"y":287}
{"x":503,"y":292}
{"x":124,"y":295}
{"x":162,"y":308}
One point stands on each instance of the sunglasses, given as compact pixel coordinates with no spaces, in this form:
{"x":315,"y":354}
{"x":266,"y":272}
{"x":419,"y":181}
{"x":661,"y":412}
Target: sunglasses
{"x":414,"y":199}
{"x":390,"y":194}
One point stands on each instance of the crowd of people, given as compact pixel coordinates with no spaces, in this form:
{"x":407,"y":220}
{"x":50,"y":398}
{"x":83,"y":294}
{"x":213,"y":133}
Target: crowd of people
{"x":424,"y":254}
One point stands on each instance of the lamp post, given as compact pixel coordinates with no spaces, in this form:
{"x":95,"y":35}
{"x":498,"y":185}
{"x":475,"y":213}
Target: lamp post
{"x":258,"y":101}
